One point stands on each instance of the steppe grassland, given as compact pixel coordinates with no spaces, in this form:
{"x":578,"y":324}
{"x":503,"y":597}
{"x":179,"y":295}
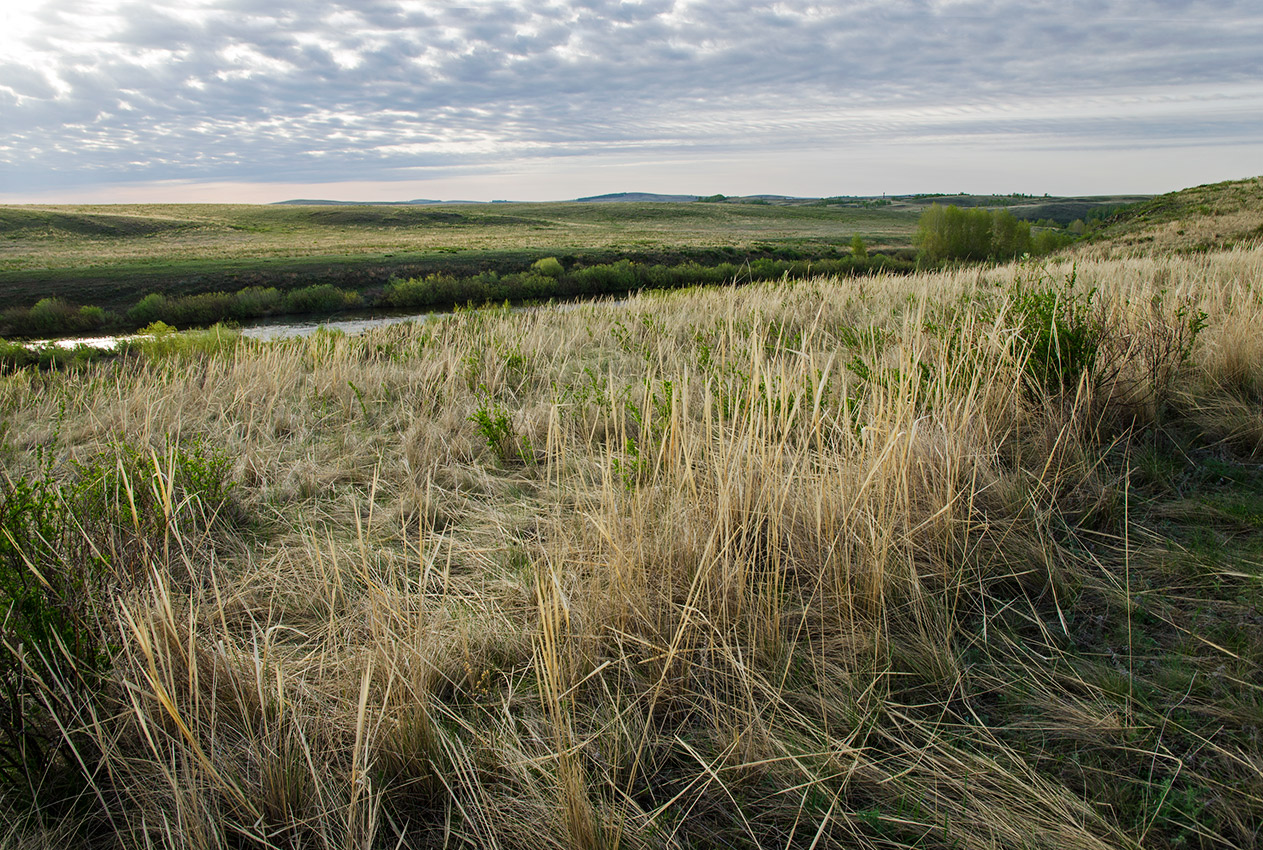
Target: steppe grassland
{"x":76,"y":236}
{"x":716,"y":565}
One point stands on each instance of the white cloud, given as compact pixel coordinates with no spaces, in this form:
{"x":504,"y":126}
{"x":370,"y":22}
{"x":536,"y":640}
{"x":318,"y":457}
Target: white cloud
{"x":240,"y":90}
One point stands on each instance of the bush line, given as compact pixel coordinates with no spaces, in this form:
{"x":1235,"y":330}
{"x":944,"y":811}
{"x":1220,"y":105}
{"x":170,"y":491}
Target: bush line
{"x":546,"y":278}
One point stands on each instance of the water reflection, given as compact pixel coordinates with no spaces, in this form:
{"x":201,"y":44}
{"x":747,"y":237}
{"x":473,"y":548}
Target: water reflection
{"x":264,"y":330}
{"x":286,"y":330}
{"x":267,"y":330}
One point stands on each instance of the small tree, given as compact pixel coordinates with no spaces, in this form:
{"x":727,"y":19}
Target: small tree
{"x":858,"y":249}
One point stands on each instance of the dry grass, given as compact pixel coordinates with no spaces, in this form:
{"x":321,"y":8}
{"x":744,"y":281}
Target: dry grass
{"x":1197,"y":219}
{"x":795,"y":565}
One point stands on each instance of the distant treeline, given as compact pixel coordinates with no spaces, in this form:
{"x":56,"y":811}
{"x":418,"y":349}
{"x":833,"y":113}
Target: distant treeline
{"x":546,"y":278}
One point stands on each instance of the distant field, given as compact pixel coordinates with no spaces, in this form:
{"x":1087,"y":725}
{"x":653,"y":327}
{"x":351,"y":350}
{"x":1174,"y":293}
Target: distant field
{"x":108,"y":254}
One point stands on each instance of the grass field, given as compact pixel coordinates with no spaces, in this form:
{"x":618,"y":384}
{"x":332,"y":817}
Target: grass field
{"x":111,"y":255}
{"x":965,"y":559}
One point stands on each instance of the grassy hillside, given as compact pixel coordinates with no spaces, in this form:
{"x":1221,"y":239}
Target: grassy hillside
{"x":952,"y":560}
{"x":111,"y":255}
{"x":1202,"y":218}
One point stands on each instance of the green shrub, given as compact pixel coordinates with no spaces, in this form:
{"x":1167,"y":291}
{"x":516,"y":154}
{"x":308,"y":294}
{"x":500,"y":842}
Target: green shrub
{"x":493,"y":424}
{"x":321,"y":298}
{"x":51,"y":653}
{"x":549,"y":267}
{"x":15,"y":355}
{"x":162,"y":340}
{"x":254,"y":302}
{"x":1044,"y":242}
{"x":63,"y":546}
{"x":151,"y":308}
{"x":425,"y":291}
{"x":1060,"y":327}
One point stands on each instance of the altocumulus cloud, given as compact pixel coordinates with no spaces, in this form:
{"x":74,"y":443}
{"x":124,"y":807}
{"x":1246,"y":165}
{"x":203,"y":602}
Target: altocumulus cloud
{"x":101,"y":92}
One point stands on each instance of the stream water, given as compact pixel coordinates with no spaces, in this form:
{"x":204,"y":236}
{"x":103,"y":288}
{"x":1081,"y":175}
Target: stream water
{"x":271,"y":329}
{"x":262,"y":330}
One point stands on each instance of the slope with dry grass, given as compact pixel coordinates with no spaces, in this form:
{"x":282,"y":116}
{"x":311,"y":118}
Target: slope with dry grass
{"x":1203,"y":218}
{"x":967,"y":559}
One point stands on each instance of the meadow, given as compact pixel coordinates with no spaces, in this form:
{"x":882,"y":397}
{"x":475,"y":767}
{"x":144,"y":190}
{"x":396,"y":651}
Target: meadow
{"x":110,"y":256}
{"x":954,"y":559}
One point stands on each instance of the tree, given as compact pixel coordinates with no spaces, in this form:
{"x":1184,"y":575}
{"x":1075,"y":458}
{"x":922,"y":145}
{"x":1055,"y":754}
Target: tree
{"x":858,"y":249}
{"x":952,"y":233}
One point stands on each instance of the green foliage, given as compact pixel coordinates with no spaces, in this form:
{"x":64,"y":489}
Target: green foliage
{"x":549,"y":267}
{"x":252,"y":302}
{"x":495,"y":426}
{"x":614,"y":278}
{"x":149,"y":309}
{"x":1060,"y":327}
{"x":52,"y":317}
{"x":51,"y":654}
{"x":952,"y":233}
{"x":257,"y":301}
{"x":161,"y":340}
{"x":1044,"y":242}
{"x":858,"y":249}
{"x":15,"y":355}
{"x":61,"y":543}
{"x":322,"y":298}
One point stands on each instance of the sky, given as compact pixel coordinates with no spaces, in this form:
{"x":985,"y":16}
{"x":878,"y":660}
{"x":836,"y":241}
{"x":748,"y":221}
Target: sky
{"x":113,"y":101}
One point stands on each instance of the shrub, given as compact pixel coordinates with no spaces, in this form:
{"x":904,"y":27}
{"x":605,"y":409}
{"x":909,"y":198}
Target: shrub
{"x":321,"y":298}
{"x":549,"y":267}
{"x":256,"y":301}
{"x":62,"y":544}
{"x":51,"y":655}
{"x":1060,"y":327}
{"x":151,"y":308}
{"x":493,"y":424}
{"x":161,"y":340}
{"x":420,"y":291}
{"x":1044,"y":242}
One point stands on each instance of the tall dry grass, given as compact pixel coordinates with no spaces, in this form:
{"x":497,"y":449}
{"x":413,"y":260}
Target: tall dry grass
{"x":707,"y":568}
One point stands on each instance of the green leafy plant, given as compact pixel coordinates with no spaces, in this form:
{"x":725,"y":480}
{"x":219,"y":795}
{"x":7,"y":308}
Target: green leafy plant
{"x":1060,"y":327}
{"x":494,"y":425}
{"x":51,"y":654}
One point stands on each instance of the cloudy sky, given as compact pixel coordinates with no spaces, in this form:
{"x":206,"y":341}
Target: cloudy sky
{"x":262,"y":100}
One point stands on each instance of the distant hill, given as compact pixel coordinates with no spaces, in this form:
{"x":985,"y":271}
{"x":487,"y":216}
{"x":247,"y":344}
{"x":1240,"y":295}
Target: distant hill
{"x":630,"y":197}
{"x":1203,"y":218}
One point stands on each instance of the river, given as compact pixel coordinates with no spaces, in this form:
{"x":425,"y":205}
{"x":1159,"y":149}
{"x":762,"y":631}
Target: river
{"x":263,"y":330}
{"x":271,"y":329}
